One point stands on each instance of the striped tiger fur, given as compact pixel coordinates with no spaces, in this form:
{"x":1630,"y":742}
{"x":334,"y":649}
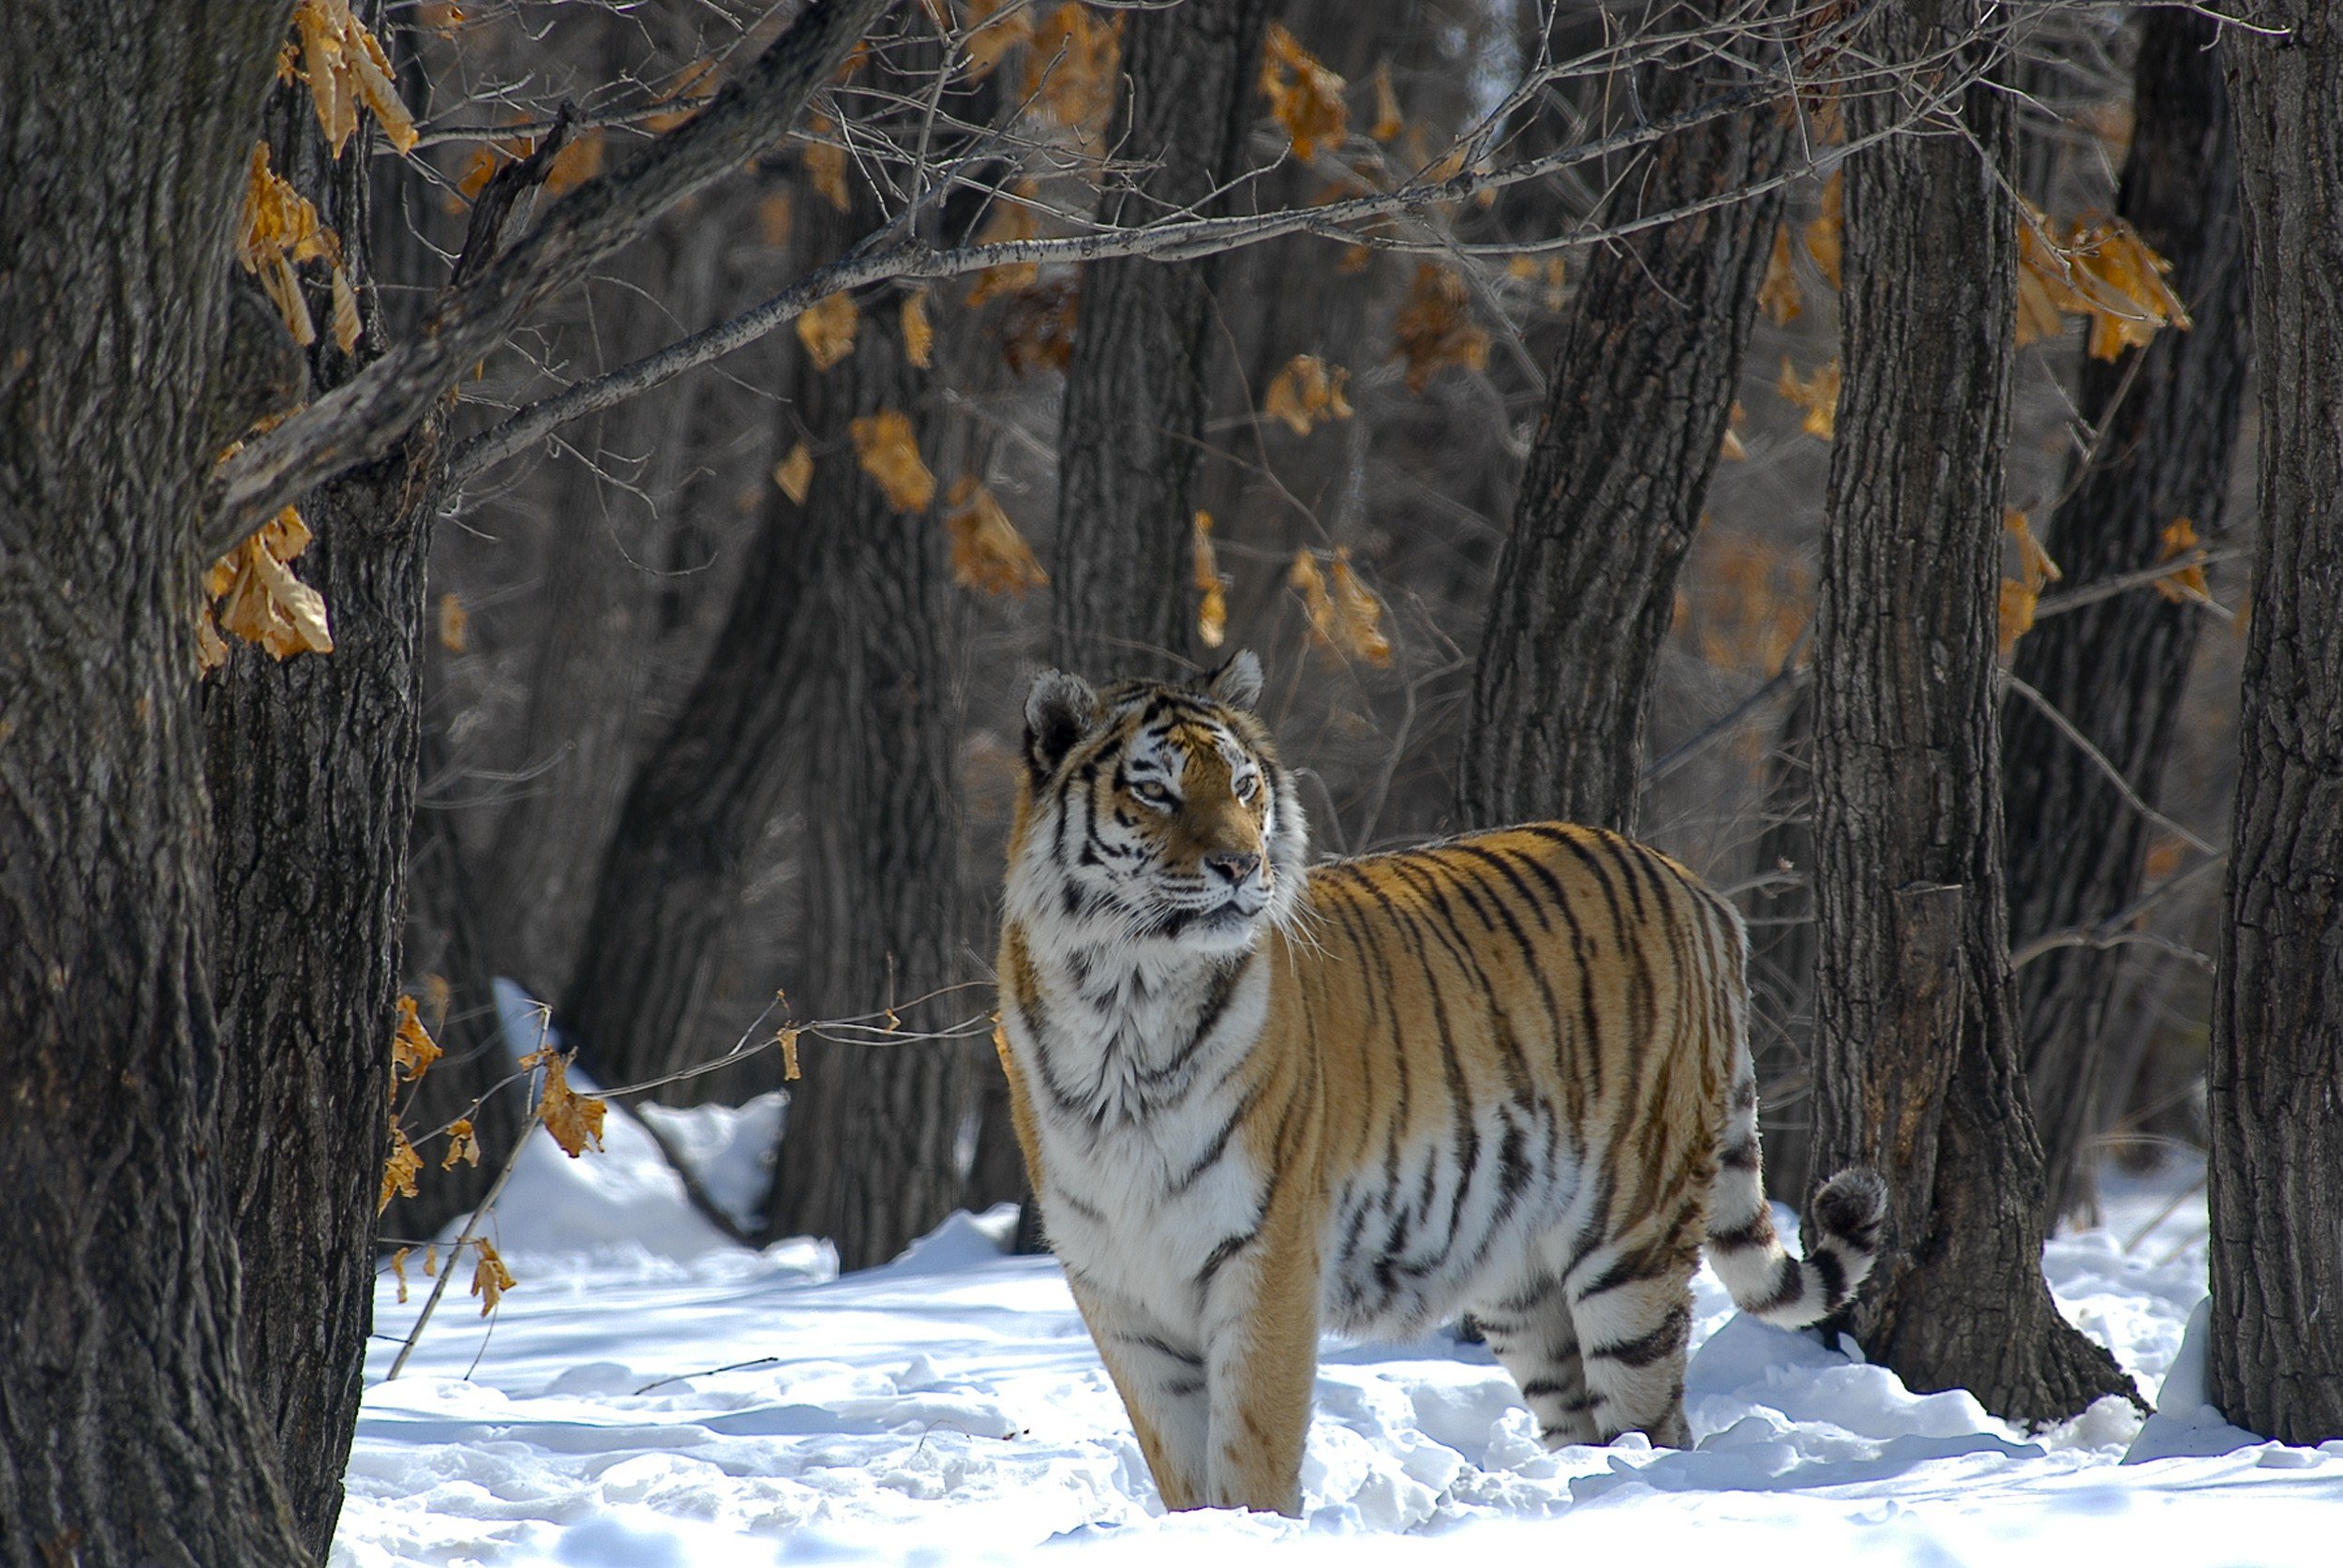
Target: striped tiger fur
{"x":1507,"y":1074}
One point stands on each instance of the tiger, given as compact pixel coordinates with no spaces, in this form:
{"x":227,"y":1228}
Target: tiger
{"x":1504,"y":1075}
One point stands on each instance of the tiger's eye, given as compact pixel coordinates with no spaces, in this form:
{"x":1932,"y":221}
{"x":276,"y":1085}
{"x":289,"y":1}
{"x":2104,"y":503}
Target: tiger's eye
{"x":1246,"y":787}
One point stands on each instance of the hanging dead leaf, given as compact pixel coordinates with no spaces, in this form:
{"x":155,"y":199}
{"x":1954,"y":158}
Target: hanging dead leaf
{"x":431,"y":1261}
{"x":826,"y":161}
{"x":919,"y":336}
{"x":490,"y":1278}
{"x":1038,"y":328}
{"x":1303,"y":96}
{"x":1434,"y":329}
{"x":787,"y":1040}
{"x":1070,"y":69}
{"x":1306,"y":392}
{"x":887,"y":448}
{"x":1343,"y":615}
{"x":399,"y":1168}
{"x":261,"y":599}
{"x":211,"y":648}
{"x":580,"y":160}
{"x":826,"y":328}
{"x":345,"y":67}
{"x":347,"y":324}
{"x":1818,"y":394}
{"x":1212,"y":588}
{"x":2122,"y":283}
{"x":573,"y":1119}
{"x":794,"y":473}
{"x":988,"y":553}
{"x":455,"y":634}
{"x":412,"y":1049}
{"x":2016,"y":610}
{"x":693,"y":86}
{"x":1826,"y":234}
{"x":1730,"y":449}
{"x":1778,"y":296}
{"x":463,"y":1145}
{"x":776,"y":220}
{"x":280,"y":228}
{"x":994,"y":27}
{"x":2179,"y":540}
{"x":398,"y":1272}
{"x":1388,"y":124}
{"x":2035,"y":566}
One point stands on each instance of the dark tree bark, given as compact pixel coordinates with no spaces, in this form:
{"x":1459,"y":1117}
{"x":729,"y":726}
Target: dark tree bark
{"x":2166,"y":418}
{"x":869,"y":1154}
{"x":1782,"y":956}
{"x":672,"y":878}
{"x":311,"y":765}
{"x":2277,"y":1060}
{"x":129,"y":1429}
{"x":1135,"y":389}
{"x":1915,"y":1045}
{"x":1634,"y":414}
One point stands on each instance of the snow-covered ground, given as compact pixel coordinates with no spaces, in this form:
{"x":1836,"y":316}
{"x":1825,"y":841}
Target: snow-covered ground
{"x":651,"y":1393}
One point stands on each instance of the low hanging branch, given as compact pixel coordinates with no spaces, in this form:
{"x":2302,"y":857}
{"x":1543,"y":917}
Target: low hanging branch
{"x":369,"y":415}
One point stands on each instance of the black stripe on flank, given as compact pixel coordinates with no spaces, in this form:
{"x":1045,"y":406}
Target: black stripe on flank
{"x":1551,"y":1388}
{"x":1216,"y":1003}
{"x":1741,"y":1157}
{"x":1745,"y":1095}
{"x":1670,"y":1336}
{"x":1219,"y":1144}
{"x":1217,"y":1259}
{"x":1162,"y":1348}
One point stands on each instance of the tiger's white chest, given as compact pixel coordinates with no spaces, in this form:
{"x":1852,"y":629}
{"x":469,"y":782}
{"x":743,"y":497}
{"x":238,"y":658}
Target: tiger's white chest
{"x":1137,"y":1096}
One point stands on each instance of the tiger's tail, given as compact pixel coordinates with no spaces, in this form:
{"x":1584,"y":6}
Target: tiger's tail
{"x":1766,"y":1281}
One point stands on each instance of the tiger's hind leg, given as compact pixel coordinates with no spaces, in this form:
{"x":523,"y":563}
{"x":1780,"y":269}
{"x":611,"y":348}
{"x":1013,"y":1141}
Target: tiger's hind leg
{"x":1532,"y":1337}
{"x":1631,"y":1301}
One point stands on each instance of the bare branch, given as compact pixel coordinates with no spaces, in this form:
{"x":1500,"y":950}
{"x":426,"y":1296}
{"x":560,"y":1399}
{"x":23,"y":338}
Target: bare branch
{"x":369,"y":415}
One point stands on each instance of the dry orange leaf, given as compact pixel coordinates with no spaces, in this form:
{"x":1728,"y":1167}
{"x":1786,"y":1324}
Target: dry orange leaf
{"x":279,"y":227}
{"x":693,"y":85}
{"x":345,"y":67}
{"x":1388,"y":124}
{"x":2179,"y":539}
{"x":1344,"y":616}
{"x":573,"y":1119}
{"x":412,"y":1049}
{"x":2102,"y":270}
{"x":1731,"y":449}
{"x":1009,"y":222}
{"x":1303,"y":96}
{"x":261,"y":599}
{"x":398,"y":1272}
{"x":1434,"y":330}
{"x":1212,"y":588}
{"x":1818,"y":394}
{"x":2035,"y":566}
{"x":455,"y":634}
{"x":1306,"y":392}
{"x":826,"y":161}
{"x":787,"y":1040}
{"x":1070,"y":69}
{"x":826,"y":328}
{"x":462,"y":1144}
{"x":794,"y":473}
{"x":1778,"y":296}
{"x":887,"y":448}
{"x":2016,"y":611}
{"x":994,"y":27}
{"x":919,"y":334}
{"x":1825,"y":235}
{"x":399,"y":1168}
{"x":988,"y":553}
{"x":776,"y":217}
{"x":490,"y":1278}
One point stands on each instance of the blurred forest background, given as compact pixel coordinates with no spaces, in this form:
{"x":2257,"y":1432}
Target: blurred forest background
{"x":717,"y":707}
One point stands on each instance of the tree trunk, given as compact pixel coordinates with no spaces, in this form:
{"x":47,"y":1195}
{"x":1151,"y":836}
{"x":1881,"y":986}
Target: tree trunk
{"x":311,"y":764}
{"x":2276,"y":1062}
{"x":1634,"y":414}
{"x":1135,"y":390}
{"x":2167,"y":422}
{"x":129,"y":1431}
{"x":870,"y":1156}
{"x":672,"y":878}
{"x":1782,"y":956}
{"x":1916,"y":1047}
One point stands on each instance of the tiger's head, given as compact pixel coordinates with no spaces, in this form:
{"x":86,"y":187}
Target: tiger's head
{"x":1154,"y":815}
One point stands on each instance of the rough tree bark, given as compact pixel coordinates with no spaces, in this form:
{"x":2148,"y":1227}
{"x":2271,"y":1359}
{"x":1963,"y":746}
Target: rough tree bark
{"x":1135,"y":390}
{"x":1916,"y":1047}
{"x":129,"y":1431}
{"x":2276,"y":1061}
{"x":1634,"y":414}
{"x":311,"y":766}
{"x":868,"y":1156}
{"x":2166,"y":418}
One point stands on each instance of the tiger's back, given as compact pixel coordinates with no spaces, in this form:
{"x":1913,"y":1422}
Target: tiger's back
{"x":1505,"y":1074}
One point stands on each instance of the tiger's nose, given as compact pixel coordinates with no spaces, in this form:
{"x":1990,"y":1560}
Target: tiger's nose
{"x":1237,"y":865}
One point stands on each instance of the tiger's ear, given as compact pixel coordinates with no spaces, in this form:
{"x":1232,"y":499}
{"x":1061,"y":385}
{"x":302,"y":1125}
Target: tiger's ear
{"x":1058,"y":708}
{"x":1236,"y":684}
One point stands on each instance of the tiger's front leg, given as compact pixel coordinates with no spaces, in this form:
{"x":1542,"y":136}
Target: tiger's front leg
{"x":1159,"y":1371}
{"x":1261,"y":1340}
